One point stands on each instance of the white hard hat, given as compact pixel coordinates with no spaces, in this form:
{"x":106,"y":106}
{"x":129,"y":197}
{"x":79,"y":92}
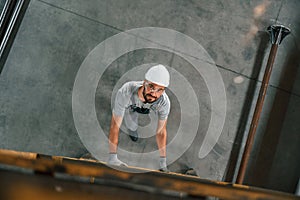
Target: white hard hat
{"x":159,"y":75}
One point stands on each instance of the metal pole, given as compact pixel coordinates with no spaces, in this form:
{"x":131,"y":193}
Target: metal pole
{"x":277,"y":33}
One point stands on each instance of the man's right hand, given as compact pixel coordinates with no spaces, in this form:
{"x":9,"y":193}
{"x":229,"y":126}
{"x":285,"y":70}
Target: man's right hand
{"x":113,"y":160}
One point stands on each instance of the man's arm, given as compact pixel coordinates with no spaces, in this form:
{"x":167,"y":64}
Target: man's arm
{"x":161,"y":137}
{"x":115,"y":124}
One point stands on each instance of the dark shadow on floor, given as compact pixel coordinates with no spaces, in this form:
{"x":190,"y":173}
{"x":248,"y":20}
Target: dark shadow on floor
{"x":263,"y":37}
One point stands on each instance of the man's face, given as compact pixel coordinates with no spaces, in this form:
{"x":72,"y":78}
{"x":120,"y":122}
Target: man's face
{"x":152,"y":91}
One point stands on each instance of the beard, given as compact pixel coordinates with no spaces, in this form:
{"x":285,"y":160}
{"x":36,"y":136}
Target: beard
{"x":147,"y":96}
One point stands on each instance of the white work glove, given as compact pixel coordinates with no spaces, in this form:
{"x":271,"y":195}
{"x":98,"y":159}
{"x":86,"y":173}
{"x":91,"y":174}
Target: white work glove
{"x":163,"y":164}
{"x":113,"y":160}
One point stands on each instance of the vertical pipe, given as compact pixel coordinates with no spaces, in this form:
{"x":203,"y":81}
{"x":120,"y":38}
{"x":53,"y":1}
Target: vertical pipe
{"x":277,"y":33}
{"x":257,"y":112}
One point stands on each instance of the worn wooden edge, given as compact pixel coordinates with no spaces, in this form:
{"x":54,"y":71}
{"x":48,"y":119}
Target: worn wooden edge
{"x":169,"y":181}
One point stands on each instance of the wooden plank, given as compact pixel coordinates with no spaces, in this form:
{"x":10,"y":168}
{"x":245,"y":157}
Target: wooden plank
{"x":168,"y":181}
{"x":16,"y":186}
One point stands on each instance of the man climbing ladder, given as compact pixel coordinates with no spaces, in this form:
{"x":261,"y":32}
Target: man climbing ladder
{"x":136,"y":98}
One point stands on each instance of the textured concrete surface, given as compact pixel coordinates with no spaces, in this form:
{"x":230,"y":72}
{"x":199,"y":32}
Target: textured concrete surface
{"x":2,"y":3}
{"x":56,"y":35}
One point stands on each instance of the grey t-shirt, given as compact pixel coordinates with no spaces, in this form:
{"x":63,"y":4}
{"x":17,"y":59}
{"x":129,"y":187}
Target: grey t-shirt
{"x":127,"y":96}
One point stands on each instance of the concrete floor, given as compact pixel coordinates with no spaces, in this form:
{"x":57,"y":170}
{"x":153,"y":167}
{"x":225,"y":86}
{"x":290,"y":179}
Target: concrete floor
{"x":56,"y":36}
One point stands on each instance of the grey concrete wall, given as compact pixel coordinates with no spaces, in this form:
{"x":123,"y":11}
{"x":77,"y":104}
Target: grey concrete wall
{"x":56,"y":35}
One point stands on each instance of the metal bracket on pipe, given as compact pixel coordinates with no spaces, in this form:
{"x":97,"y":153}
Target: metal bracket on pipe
{"x":278,"y":33}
